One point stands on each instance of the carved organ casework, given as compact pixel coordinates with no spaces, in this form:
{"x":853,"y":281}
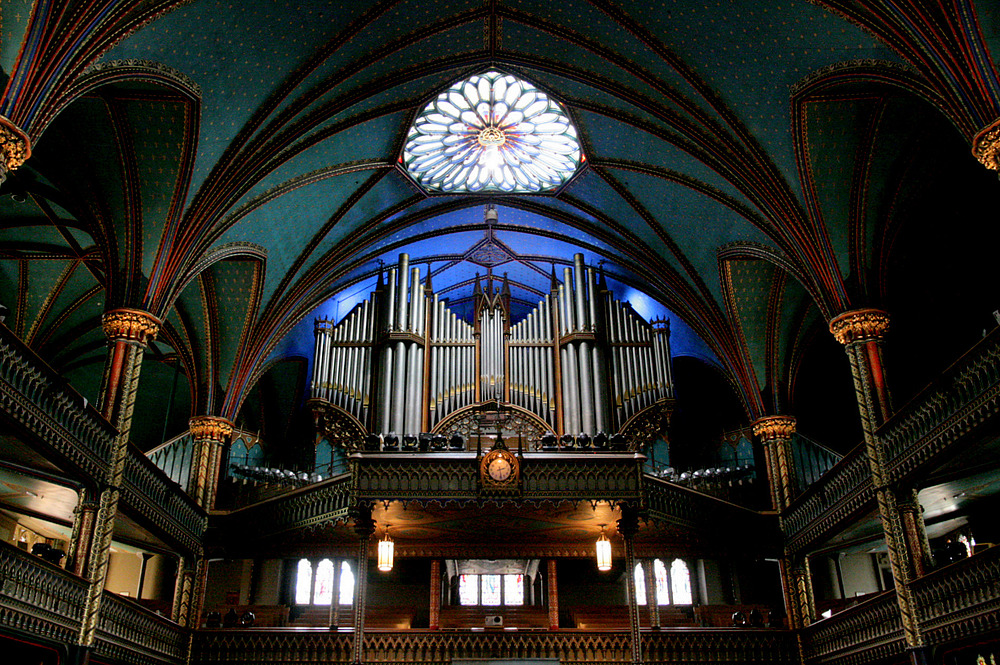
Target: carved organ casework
{"x":581,"y":362}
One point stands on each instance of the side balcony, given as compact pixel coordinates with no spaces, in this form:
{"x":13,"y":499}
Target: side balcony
{"x":947,"y":416}
{"x":42,"y":600}
{"x":959,"y":603}
{"x":54,"y":421}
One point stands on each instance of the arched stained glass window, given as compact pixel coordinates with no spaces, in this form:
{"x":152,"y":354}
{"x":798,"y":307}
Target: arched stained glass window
{"x":640,"y":585}
{"x":680,"y":582}
{"x":513,"y":589}
{"x":323,"y":593}
{"x":490,"y":590}
{"x":662,"y":586}
{"x":303,"y":582}
{"x":468,"y":589}
{"x":492,"y":132}
{"x":346,"y":584}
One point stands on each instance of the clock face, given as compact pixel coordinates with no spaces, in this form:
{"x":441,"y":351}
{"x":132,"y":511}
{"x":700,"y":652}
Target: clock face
{"x":499,"y":469}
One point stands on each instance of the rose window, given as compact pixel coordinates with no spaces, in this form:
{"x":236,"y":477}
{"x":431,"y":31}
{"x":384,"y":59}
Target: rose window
{"x":492,"y":133}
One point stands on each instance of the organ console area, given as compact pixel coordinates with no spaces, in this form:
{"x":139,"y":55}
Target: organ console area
{"x":581,"y":362}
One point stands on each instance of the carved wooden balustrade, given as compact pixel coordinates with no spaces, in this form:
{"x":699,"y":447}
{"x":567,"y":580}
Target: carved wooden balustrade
{"x":306,"y":507}
{"x":38,"y":597}
{"x":842,"y":493}
{"x":128,"y":632}
{"x":152,"y":496}
{"x":917,"y":437}
{"x":55,"y":418}
{"x":41,"y":599}
{"x":946,"y":411}
{"x":674,"y":504}
{"x":441,"y":647}
{"x":454,"y":476}
{"x":867,"y":632}
{"x":961,"y":600}
{"x":36,"y":400}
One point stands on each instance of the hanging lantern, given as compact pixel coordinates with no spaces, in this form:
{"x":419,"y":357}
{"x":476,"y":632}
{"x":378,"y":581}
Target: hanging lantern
{"x":385,"y":552}
{"x":603,"y":552}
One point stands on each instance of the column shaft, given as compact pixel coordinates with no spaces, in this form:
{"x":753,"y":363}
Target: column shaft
{"x":553,"y":595}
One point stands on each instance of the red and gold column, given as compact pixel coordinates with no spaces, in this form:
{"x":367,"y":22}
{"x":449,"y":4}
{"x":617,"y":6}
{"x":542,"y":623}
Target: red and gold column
{"x":862,"y":332}
{"x":83,"y":532}
{"x":128,"y":331}
{"x":211,"y":435}
{"x":775,"y":434}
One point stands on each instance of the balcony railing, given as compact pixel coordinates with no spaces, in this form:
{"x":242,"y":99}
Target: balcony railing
{"x":961,"y":600}
{"x":155,"y":498}
{"x":59,"y":422}
{"x":844,"y":492}
{"x":679,"y":505}
{"x":38,"y":597}
{"x":37,"y":400}
{"x":441,"y":647}
{"x":964,"y":395}
{"x":867,"y":632}
{"x":129,"y":632}
{"x":916,"y":438}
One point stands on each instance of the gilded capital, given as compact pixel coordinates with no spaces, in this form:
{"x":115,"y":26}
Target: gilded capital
{"x":210,"y":428}
{"x":773,"y":428}
{"x":986,"y":146}
{"x":858,"y":325}
{"x":15,"y":147}
{"x":130,"y":324}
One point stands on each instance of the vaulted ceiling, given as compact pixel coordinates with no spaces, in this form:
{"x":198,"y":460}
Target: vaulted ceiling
{"x":752,"y":169}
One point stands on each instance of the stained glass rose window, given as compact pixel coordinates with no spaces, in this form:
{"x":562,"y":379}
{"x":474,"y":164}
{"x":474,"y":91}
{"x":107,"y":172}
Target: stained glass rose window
{"x":492,"y":132}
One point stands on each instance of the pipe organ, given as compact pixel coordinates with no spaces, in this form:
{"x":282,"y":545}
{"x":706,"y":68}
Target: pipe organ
{"x":402,"y":362}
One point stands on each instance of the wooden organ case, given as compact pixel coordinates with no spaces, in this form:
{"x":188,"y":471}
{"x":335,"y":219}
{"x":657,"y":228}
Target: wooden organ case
{"x":580,"y":362}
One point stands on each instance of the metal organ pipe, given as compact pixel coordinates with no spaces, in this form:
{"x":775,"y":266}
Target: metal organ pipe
{"x":427,"y":369}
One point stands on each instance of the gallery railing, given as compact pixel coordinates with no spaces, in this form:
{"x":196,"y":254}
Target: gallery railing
{"x":845,"y":491}
{"x":36,"y":399}
{"x":128,"y":632}
{"x":961,"y":600}
{"x":949,"y":409}
{"x":155,"y":498}
{"x":39,"y":598}
{"x":867,"y":632}
{"x":441,"y":647}
{"x":916,"y":437}
{"x":70,"y":432}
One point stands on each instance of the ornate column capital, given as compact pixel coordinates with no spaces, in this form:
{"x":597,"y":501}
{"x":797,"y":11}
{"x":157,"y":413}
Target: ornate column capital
{"x":986,"y":146}
{"x":15,"y":147}
{"x":210,"y":428}
{"x":133,"y":325}
{"x":771,"y":428}
{"x":859,"y":325}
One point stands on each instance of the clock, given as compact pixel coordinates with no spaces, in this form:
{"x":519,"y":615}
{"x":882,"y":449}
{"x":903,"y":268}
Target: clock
{"x":499,"y":469}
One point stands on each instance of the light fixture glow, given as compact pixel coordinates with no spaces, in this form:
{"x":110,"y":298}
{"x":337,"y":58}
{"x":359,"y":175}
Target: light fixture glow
{"x":385,"y":552}
{"x":603,"y":552}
